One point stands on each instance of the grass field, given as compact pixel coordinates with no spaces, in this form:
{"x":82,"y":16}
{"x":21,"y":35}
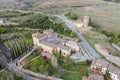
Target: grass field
{"x":103,"y":14}
{"x":73,"y":71}
{"x":106,"y":16}
{"x":40,"y":65}
{"x":15,"y":16}
{"x":97,"y":38}
{"x":7,"y":75}
{"x":79,"y":70}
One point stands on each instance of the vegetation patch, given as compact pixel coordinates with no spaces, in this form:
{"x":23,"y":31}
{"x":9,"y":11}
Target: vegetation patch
{"x":114,"y":37}
{"x":76,"y":71}
{"x":7,"y":75}
{"x":72,"y":71}
{"x":97,"y":38}
{"x":72,"y":15}
{"x":12,"y":14}
{"x":44,"y":22}
{"x":65,"y":68}
{"x":42,"y":65}
{"x":117,"y":1}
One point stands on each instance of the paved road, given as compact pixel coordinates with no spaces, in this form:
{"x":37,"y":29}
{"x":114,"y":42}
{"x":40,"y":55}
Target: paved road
{"x":85,"y":43}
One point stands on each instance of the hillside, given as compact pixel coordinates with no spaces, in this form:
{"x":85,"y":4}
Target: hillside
{"x":12,"y":4}
{"x":104,"y":14}
{"x":113,"y":1}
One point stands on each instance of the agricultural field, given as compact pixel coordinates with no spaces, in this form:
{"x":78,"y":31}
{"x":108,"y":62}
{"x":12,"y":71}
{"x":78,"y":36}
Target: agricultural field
{"x":15,"y":16}
{"x":103,"y":14}
{"x":44,"y":4}
{"x":17,"y":41}
{"x":116,"y":1}
{"x":33,"y":20}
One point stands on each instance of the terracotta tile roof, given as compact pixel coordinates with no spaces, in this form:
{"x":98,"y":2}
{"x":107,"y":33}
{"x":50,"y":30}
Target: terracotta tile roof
{"x":95,"y":77}
{"x":114,"y":70}
{"x":99,"y":62}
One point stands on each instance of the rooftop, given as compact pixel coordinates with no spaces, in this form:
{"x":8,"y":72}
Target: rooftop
{"x":114,"y":70}
{"x":79,"y":21}
{"x":95,"y":77}
{"x":51,"y":39}
{"x":72,"y":43}
{"x":64,"y":47}
{"x":99,"y":62}
{"x":48,"y":44}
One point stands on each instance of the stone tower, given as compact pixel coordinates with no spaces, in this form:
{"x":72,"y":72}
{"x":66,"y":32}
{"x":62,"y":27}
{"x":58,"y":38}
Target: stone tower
{"x":86,"y":21}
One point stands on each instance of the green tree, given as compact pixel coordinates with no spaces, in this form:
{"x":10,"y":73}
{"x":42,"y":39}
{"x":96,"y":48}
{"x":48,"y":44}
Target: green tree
{"x":54,"y":62}
{"x":73,"y":15}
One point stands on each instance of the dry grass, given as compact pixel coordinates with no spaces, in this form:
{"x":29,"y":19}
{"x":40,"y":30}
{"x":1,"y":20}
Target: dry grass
{"x":104,"y":14}
{"x":71,"y":2}
{"x":98,"y":11}
{"x":97,"y":38}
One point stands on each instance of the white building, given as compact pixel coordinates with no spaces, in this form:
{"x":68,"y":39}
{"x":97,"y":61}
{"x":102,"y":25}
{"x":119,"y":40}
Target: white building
{"x":99,"y":65}
{"x":35,"y":38}
{"x":49,"y":41}
{"x":84,"y":23}
{"x":78,"y":24}
{"x":2,"y":21}
{"x":65,"y":51}
{"x":73,"y":45}
{"x":114,"y":72}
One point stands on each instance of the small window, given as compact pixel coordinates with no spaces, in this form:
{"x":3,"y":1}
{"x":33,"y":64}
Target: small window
{"x":46,"y":51}
{"x":41,"y":49}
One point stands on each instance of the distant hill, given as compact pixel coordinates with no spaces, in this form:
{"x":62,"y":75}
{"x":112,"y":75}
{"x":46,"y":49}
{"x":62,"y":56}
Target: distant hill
{"x":104,"y":14}
{"x":38,"y":4}
{"x":113,"y":0}
{"x":12,"y":4}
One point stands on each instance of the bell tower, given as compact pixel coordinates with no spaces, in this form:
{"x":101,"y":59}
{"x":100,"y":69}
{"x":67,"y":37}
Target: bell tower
{"x":86,"y":21}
